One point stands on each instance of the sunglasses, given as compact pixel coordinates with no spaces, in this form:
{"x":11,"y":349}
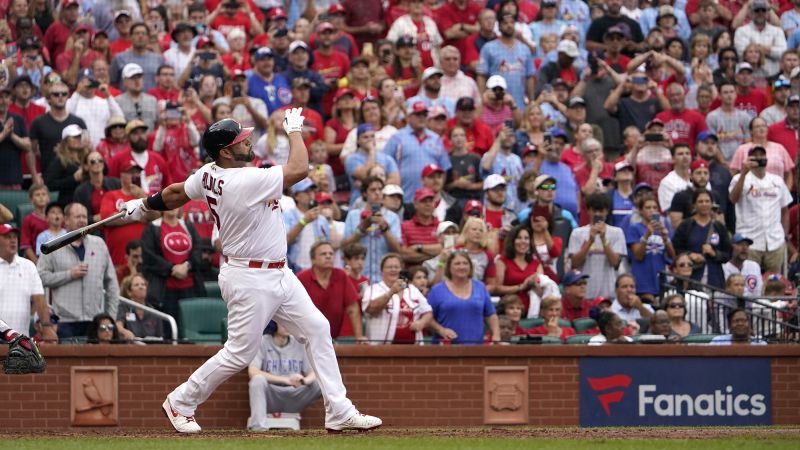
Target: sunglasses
{"x":675,"y":306}
{"x":105,"y":328}
{"x":684,"y":264}
{"x":547,"y":187}
{"x":96,"y":161}
{"x":59,"y":94}
{"x":782,"y":83}
{"x":580,"y":283}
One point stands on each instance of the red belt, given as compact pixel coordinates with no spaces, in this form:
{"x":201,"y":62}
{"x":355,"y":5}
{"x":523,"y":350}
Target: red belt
{"x":255,"y":264}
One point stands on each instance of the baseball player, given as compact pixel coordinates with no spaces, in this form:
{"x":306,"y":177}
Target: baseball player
{"x":23,"y":356}
{"x":255,"y":280}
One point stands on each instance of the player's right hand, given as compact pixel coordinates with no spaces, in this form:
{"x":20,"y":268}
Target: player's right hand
{"x":293,"y":121}
{"x":135,"y":210}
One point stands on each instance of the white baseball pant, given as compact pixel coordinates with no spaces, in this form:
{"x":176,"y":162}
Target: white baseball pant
{"x":254,"y":297}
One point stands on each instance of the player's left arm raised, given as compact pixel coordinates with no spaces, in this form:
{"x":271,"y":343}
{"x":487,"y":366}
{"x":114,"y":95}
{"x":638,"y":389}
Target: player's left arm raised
{"x":296,"y":167}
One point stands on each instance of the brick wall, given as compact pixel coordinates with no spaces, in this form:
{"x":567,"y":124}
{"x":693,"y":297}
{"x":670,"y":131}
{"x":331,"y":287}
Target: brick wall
{"x":406,"y":386}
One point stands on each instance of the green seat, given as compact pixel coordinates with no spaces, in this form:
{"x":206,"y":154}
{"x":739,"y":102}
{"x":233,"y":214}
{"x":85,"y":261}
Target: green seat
{"x":580,"y":338}
{"x":698,"y":338}
{"x":212,"y":289}
{"x":12,"y":200}
{"x":551,"y":340}
{"x":200,"y":318}
{"x":23,"y":210}
{"x":530,"y":323}
{"x":346,"y":340}
{"x":583,"y":324}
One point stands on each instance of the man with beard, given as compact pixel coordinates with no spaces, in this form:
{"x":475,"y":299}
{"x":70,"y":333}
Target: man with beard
{"x":156,"y":171}
{"x":770,"y":39}
{"x":781,"y":88}
{"x":430,"y":92}
{"x":479,"y":135}
{"x":509,"y":58}
{"x":613,"y":16}
{"x":739,"y":264}
{"x":498,"y":218}
{"x":681,"y":206}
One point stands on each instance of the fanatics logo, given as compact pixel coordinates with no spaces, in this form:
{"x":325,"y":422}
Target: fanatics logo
{"x":615,"y":385}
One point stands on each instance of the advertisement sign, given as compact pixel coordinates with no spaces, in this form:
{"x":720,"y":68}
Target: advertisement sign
{"x":675,"y":391}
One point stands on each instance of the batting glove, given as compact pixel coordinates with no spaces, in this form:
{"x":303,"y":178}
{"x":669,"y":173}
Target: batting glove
{"x":135,"y":210}
{"x":293,"y":123}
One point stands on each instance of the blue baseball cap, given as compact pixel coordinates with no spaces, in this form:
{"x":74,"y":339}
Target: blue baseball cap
{"x":557,"y":132}
{"x":363,"y":128}
{"x":640,"y":186}
{"x":264,"y":52}
{"x":303,"y":185}
{"x":739,"y":237}
{"x":703,"y":135}
{"x":573,"y":277}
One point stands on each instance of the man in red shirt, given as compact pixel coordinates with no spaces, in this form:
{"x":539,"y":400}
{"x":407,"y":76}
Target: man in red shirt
{"x":232,"y":14}
{"x":682,"y":124}
{"x":79,"y":56}
{"x":419,"y":233}
{"x":332,"y":291}
{"x":122,"y":23}
{"x":479,"y":135}
{"x":363,"y":19}
{"x":457,"y":20}
{"x":329,"y":62}
{"x":55,"y":39}
{"x":155,"y":175}
{"x":785,"y":131}
{"x":165,"y":89}
{"x":574,"y":304}
{"x":342,"y":40}
{"x":313,"y":126}
{"x":749,"y":99}
{"x":119,"y":234}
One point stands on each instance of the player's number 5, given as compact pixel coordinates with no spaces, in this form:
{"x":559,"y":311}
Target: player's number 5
{"x":212,"y":202}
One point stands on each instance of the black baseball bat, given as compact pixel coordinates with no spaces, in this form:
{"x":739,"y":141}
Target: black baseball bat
{"x":62,"y":241}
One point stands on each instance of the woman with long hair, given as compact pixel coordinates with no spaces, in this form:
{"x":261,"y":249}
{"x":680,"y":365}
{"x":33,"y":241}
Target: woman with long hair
{"x":705,"y":239}
{"x":754,"y":55}
{"x":405,"y":68}
{"x":396,"y":312}
{"x":392,"y":102}
{"x":94,"y":184}
{"x":532,"y":128}
{"x":103,"y":331}
{"x":546,"y":248}
{"x":135,"y":322}
{"x":65,"y":172}
{"x":475,"y":239}
{"x":344,"y":117}
{"x":517,"y":271}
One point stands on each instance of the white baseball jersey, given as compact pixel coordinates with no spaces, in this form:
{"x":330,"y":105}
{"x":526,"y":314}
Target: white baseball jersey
{"x":244,"y":204}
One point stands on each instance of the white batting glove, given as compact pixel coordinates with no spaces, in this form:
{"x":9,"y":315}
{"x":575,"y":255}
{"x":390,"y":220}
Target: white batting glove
{"x":293,"y":122}
{"x":135,"y":210}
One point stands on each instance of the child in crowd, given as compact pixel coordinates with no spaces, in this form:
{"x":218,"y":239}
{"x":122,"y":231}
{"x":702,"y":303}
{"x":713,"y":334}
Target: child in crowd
{"x":511,"y":306}
{"x":55,"y":226}
{"x":35,"y":222}
{"x":419,"y":278}
{"x":177,"y":139}
{"x":354,"y":255}
{"x":322,"y":173}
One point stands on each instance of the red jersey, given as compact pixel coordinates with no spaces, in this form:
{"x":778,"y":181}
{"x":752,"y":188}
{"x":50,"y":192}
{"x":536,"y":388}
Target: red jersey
{"x":170,"y":95}
{"x":176,"y":247}
{"x":32,"y":225}
{"x":542,"y":331}
{"x":109,"y":149}
{"x":197,"y":213}
{"x":155,"y":175}
{"x":448,"y":15}
{"x":225,"y":24}
{"x":515,"y":275}
{"x":55,"y":38}
{"x":332,"y":67}
{"x":179,"y":154}
{"x":231,"y":64}
{"x":684,"y":126}
{"x":414,"y":232}
{"x":64,"y":60}
{"x":332,"y":300}
{"x":782,"y":134}
{"x":118,"y":237}
{"x":479,"y":136}
{"x":571,"y":158}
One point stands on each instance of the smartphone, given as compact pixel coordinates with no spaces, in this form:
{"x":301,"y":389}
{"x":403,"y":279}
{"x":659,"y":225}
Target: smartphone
{"x":312,"y":203}
{"x":548,"y":138}
{"x":208,"y":56}
{"x":593,"y":63}
{"x":541,"y":211}
{"x":367,"y":50}
{"x":509,"y":124}
{"x":237,"y":91}
{"x":376,"y":208}
{"x":597,"y":219}
{"x":762,"y":162}
{"x":653,"y":137}
{"x":450,"y":241}
{"x":655,"y":217}
{"x":548,"y":88}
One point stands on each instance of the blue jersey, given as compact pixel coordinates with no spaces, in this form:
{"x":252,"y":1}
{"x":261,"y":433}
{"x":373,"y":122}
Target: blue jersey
{"x":412,"y":154}
{"x":515,"y":65}
{"x":275,"y":94}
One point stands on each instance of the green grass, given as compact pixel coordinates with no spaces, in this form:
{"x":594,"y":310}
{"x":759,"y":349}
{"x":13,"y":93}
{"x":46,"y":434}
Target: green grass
{"x":284,"y":441}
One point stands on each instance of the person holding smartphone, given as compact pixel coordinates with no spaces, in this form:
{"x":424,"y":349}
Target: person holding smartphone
{"x":447,"y":233}
{"x":649,"y":240}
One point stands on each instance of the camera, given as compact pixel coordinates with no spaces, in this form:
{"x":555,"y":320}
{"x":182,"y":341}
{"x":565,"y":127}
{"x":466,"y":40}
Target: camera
{"x":655,"y":217}
{"x":762,"y":162}
{"x":207,"y":56}
{"x":237,"y":91}
{"x":548,"y":138}
{"x":597,"y":219}
{"x":312,"y":203}
{"x":376,"y":208}
{"x":509,"y":124}
{"x":593,"y":64}
{"x":653,"y":137}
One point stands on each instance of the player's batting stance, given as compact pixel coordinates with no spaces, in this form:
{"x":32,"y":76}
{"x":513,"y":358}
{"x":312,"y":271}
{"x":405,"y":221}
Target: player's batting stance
{"x":255,"y":281}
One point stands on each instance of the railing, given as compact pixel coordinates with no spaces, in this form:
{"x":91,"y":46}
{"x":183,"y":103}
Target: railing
{"x":708,"y":307}
{"x":171,"y":320}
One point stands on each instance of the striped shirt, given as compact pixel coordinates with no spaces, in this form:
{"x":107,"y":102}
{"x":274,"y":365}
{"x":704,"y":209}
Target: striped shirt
{"x":415,"y":233}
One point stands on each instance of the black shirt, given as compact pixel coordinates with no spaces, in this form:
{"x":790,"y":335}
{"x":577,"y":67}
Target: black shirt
{"x":631,"y":112}
{"x":10,"y":163}
{"x":469,"y":167}
{"x":47,"y":131}
{"x":599,"y":26}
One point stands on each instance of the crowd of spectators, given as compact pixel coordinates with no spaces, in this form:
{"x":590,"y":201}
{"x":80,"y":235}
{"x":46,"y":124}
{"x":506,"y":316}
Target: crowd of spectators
{"x":475,"y":165}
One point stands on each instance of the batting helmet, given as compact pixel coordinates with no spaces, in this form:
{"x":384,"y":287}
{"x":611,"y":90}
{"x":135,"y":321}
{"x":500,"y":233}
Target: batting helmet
{"x":223,"y":134}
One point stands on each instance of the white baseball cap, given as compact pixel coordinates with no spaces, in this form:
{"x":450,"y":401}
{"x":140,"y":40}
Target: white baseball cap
{"x":131,"y":70}
{"x":569,"y":48}
{"x":431,"y":71}
{"x":298,"y":44}
{"x":496,"y":81}
{"x":492,"y":181}
{"x":392,"y":189}
{"x":71,"y":131}
{"x":444,"y":226}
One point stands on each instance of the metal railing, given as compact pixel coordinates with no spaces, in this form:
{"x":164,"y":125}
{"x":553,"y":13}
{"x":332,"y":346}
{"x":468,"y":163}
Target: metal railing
{"x":171,"y":320}
{"x":708,"y":307}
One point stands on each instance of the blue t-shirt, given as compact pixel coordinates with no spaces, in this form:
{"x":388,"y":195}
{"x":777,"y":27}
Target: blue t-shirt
{"x":515,"y":65}
{"x":275,"y":95}
{"x":358,"y":159}
{"x":374,"y":241}
{"x":464,"y":316}
{"x":566,"y":186}
{"x":510,"y":168}
{"x":655,"y":257}
{"x":621,"y":208}
{"x":412,"y":155}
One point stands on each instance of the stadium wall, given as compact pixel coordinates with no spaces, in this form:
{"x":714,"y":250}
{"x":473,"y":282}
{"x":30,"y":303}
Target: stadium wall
{"x":404,"y":385}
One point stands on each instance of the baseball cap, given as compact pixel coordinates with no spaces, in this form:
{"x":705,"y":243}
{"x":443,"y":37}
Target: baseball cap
{"x":542,"y":179}
{"x":419,"y":107}
{"x":699,"y":164}
{"x":444,"y":226}
{"x":303,"y":185}
{"x":431,"y":169}
{"x":437,"y":111}
{"x":492,"y":181}
{"x":393,"y":189}
{"x":71,"y":131}
{"x":530,"y":147}
{"x":755,"y":149}
{"x":616,"y":29}
{"x":572,"y":277}
{"x":465,"y":104}
{"x":131,"y":70}
{"x":236,"y":73}
{"x":129,"y":165}
{"x":654,"y":122}
{"x":557,"y":132}
{"x":743,"y":66}
{"x":560,"y":82}
{"x":336,"y":9}
{"x":323,"y":197}
{"x":405,"y":41}
{"x":134,"y":125}
{"x":666,"y":11}
{"x":576,"y":101}
{"x":758,"y":5}
{"x":431,"y":71}
{"x":325,"y":26}
{"x":705,"y":134}
{"x":277,"y":13}
{"x":87,"y":74}
{"x":473,"y":205}
{"x":6,"y":228}
{"x":202,"y":41}
{"x":496,"y":81}
{"x":792,"y":99}
{"x":568,"y":47}
{"x":297,"y":44}
{"x":739,"y":237}
{"x":363,"y":128}
{"x":423,"y":193}
{"x":28,"y":43}
{"x":569,"y":29}
{"x":643,"y":185}
{"x":81,"y":28}
{"x":121,"y":13}
{"x":114,"y":121}
{"x":263,"y":52}
{"x":341,"y":92}
{"x":622,"y":165}
{"x":22,"y":79}
{"x":599,"y":301}
{"x":359,"y":60}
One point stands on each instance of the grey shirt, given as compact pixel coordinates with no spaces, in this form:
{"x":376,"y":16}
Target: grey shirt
{"x":731,"y":129}
{"x":149,"y":61}
{"x":147,"y":110}
{"x":601,"y":275}
{"x":83,"y":298}
{"x":281,"y":361}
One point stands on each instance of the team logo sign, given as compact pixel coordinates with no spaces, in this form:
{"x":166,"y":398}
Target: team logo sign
{"x":675,"y":391}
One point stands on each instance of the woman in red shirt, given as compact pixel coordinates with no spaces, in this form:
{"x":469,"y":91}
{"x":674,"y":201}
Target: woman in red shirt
{"x":345,"y":118}
{"x":551,"y":313}
{"x":517,"y":271}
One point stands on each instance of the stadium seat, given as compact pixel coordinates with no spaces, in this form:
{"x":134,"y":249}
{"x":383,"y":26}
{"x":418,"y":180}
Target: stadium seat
{"x":212,"y":289}
{"x":200,"y":319}
{"x":698,"y":338}
{"x":23,"y":210}
{"x":346,"y":340}
{"x":580,"y":338}
{"x":583,"y":324}
{"x":530,"y":323}
{"x":12,"y":200}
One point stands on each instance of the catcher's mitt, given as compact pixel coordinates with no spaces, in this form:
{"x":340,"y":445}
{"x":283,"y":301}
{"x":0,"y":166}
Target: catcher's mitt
{"x":23,"y":357}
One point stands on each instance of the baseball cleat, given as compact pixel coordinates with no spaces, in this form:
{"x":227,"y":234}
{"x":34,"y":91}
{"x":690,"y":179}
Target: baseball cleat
{"x":359,"y":422}
{"x":181,"y":423}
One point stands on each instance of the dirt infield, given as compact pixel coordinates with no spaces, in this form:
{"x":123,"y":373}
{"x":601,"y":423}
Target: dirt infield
{"x":484,"y":432}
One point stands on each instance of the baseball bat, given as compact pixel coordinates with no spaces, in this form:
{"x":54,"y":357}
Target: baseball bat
{"x":62,"y":241}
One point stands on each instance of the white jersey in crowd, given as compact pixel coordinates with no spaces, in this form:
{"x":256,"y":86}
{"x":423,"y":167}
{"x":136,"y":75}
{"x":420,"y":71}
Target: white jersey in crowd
{"x":244,"y":203}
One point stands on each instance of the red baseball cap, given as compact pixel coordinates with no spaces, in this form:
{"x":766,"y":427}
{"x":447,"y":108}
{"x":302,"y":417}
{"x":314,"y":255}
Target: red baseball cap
{"x":277,"y":13}
{"x":238,"y":73}
{"x":473,"y":205}
{"x":699,"y":163}
{"x":6,"y":228}
{"x":599,"y":300}
{"x":67,"y":3}
{"x":341,"y":92}
{"x":203,"y":41}
{"x":336,"y":9}
{"x":423,"y":193}
{"x":324,"y":26}
{"x":430,"y":169}
{"x":128,"y":165}
{"x":322,"y":197}
{"x":419,"y":107}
